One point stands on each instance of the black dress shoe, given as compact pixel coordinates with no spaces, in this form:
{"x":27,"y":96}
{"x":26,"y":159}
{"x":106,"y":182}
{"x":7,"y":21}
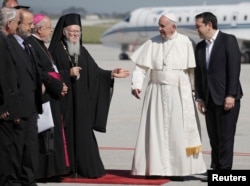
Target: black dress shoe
{"x":204,"y":179}
{"x":154,"y":177}
{"x":175,"y":178}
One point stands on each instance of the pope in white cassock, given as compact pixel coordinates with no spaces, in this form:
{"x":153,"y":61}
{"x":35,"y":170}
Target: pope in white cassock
{"x":168,"y":142}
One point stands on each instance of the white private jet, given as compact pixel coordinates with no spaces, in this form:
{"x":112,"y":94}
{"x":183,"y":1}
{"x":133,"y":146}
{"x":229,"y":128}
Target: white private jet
{"x":142,"y":24}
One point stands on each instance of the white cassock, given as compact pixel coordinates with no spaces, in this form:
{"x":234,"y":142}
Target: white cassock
{"x":168,"y":142}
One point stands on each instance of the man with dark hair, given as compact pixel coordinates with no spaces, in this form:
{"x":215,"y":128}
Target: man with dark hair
{"x":86,"y":106}
{"x":9,"y":3}
{"x":217,"y":87}
{"x":13,"y":4}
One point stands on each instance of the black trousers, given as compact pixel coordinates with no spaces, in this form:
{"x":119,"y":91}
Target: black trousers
{"x":11,"y":147}
{"x":19,"y":152}
{"x":221,"y":127}
{"x":30,"y":156}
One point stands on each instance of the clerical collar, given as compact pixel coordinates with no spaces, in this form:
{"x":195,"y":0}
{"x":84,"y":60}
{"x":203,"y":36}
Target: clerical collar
{"x":37,"y":37}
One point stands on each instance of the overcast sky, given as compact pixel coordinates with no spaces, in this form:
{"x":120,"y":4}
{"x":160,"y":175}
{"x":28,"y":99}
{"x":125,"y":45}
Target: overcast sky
{"x":111,"y":6}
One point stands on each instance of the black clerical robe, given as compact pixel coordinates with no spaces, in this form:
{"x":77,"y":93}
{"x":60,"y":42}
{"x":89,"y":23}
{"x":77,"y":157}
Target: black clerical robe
{"x":53,"y":156}
{"x":85,"y":109}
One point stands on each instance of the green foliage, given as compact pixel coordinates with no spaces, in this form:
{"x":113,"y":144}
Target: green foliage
{"x":92,"y":34}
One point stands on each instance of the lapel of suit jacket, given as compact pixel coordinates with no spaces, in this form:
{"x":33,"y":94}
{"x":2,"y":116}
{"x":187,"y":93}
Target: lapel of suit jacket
{"x":203,"y":54}
{"x":20,"y":55}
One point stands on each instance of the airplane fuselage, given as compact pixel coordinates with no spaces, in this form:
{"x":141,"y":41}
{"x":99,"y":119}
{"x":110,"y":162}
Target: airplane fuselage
{"x":142,"y":24}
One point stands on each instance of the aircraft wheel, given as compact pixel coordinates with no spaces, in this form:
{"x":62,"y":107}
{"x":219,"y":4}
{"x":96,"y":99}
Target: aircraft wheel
{"x":245,"y":57}
{"x":123,"y":56}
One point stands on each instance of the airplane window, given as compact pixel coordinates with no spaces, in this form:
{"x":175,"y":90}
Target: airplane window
{"x":159,"y":12}
{"x":224,"y":18}
{"x":187,"y":19}
{"x":245,"y":17}
{"x":127,"y":18}
{"x":179,"y":19}
{"x":234,"y":18}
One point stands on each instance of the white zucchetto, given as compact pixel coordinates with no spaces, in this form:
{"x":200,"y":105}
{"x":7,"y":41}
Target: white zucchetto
{"x":171,"y":17}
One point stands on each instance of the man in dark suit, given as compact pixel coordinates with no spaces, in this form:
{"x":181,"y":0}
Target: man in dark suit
{"x":30,"y":91}
{"x":10,"y":3}
{"x":13,"y":4}
{"x":217,"y":87}
{"x":10,"y":105}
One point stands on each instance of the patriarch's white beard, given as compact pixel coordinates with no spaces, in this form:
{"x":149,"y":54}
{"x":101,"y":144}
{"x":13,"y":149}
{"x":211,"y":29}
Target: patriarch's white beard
{"x":73,"y":48}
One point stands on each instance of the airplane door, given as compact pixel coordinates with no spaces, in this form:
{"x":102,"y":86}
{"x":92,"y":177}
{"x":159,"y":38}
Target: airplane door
{"x":234,"y":19}
{"x":141,"y":23}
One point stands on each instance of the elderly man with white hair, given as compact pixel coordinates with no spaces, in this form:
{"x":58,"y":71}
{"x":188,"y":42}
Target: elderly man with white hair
{"x":10,"y":104}
{"x":168,"y":142}
{"x":53,"y":156}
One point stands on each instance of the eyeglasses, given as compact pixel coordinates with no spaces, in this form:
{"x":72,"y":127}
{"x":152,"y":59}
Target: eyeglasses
{"x":29,"y":24}
{"x":49,"y":27}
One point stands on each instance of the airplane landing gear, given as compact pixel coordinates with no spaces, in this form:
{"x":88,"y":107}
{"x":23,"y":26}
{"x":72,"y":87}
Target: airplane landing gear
{"x":245,"y":57}
{"x":123,"y":56}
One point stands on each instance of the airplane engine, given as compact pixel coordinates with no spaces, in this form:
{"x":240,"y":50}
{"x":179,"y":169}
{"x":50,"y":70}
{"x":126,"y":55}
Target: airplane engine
{"x":123,"y":55}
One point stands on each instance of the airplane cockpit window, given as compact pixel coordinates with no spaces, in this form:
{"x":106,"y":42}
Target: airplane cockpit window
{"x":158,"y":12}
{"x":127,"y":18}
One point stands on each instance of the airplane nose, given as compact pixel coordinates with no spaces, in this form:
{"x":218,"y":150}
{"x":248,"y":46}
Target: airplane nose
{"x":104,"y":35}
{"x":109,"y":37}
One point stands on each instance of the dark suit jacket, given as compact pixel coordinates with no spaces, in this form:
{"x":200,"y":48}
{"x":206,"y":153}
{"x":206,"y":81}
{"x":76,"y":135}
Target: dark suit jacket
{"x":28,"y":78}
{"x":9,"y":99}
{"x":222,"y":76}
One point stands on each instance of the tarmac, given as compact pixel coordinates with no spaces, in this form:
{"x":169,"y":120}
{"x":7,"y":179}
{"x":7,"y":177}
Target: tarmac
{"x":117,"y":144}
